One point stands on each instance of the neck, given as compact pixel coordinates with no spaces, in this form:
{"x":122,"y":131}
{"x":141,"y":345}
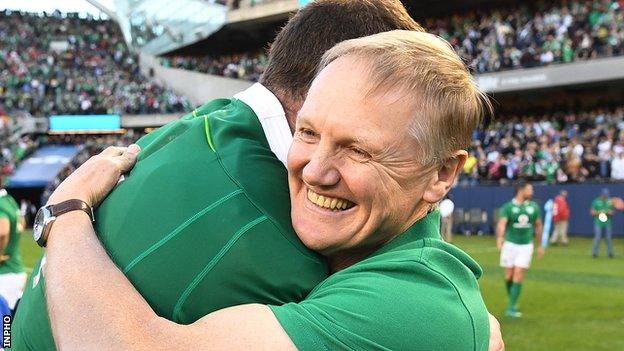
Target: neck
{"x":291,"y":108}
{"x":346,"y":258}
{"x":519,"y":199}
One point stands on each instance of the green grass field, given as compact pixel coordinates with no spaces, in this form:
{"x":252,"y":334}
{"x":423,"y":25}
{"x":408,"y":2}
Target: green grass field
{"x":569,"y":300}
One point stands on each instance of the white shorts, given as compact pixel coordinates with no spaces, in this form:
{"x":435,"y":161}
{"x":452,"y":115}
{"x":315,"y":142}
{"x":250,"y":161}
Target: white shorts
{"x":516,"y":255}
{"x":12,"y":287}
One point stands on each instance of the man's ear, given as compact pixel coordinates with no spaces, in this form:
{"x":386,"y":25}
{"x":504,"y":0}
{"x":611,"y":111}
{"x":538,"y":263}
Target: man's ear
{"x":445,"y":176}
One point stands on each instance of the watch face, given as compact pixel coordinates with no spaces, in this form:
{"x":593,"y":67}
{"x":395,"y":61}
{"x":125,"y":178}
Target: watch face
{"x":38,"y":224}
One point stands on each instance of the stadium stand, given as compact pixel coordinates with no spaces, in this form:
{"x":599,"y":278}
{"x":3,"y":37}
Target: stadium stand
{"x":62,"y":64}
{"x":490,"y":40}
{"x":561,"y":147}
{"x":238,"y":66}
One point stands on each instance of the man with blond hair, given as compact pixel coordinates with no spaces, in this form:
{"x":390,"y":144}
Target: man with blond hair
{"x":378,"y":143}
{"x":202,"y":222}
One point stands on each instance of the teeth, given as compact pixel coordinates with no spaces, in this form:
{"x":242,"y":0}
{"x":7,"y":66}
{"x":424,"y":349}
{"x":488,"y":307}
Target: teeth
{"x":329,"y":202}
{"x":312,"y":196}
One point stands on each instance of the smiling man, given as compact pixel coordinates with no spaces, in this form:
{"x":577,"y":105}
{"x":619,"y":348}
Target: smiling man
{"x":202,"y":222}
{"x":382,"y":133}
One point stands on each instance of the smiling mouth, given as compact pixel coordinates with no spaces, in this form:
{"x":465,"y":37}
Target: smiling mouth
{"x":330,"y":203}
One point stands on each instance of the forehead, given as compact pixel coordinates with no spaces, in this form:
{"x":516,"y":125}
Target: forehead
{"x":341,"y":97}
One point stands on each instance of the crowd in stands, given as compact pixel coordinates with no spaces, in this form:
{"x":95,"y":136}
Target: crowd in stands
{"x":248,"y":66}
{"x":552,"y":32}
{"x":553,"y":148}
{"x":63,"y":64}
{"x":13,"y":146}
{"x":535,"y":34}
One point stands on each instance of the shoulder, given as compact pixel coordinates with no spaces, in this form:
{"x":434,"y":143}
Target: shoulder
{"x":505,"y":207}
{"x":432,"y":288}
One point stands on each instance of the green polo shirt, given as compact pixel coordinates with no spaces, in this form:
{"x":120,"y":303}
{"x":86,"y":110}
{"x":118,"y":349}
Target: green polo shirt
{"x":415,"y":293}
{"x":521,"y":219}
{"x":201,"y":223}
{"x":9,"y":209}
{"x":602,"y":206}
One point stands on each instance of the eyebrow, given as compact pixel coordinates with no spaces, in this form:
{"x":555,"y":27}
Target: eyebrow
{"x":349,"y":139}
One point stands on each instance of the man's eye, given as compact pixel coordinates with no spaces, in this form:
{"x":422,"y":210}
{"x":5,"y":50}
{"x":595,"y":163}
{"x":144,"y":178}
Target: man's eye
{"x":307,"y":133}
{"x":359,"y":153}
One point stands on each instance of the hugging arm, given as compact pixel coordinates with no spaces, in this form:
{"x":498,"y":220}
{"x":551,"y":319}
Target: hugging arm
{"x":91,"y":303}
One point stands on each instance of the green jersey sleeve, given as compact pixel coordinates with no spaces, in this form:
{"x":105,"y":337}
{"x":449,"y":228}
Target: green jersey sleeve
{"x":385,"y":309}
{"x":504,"y":211}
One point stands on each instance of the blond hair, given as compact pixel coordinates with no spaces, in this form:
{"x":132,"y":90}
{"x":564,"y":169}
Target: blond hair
{"x":448,"y":104}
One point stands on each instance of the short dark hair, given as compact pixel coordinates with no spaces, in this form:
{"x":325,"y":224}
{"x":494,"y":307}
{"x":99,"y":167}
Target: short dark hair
{"x":317,"y":27}
{"x":521,"y":184}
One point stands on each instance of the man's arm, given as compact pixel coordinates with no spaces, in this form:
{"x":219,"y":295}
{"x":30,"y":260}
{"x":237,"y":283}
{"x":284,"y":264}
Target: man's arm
{"x":84,"y":288}
{"x":5,"y":229}
{"x":500,"y":232}
{"x":593,"y":210}
{"x":539,"y":227}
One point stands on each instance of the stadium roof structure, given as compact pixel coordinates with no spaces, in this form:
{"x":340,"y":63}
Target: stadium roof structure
{"x":159,"y":26}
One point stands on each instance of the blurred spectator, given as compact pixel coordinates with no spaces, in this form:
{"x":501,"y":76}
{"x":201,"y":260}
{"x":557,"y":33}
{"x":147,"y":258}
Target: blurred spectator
{"x":62,"y":64}
{"x":617,"y":167}
{"x":561,"y":216}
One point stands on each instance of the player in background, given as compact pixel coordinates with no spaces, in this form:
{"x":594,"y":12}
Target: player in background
{"x":12,"y":275}
{"x":520,"y":221}
{"x":602,"y":210}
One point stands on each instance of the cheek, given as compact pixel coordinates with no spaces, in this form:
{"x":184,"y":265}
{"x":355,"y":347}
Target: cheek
{"x":297,"y":158}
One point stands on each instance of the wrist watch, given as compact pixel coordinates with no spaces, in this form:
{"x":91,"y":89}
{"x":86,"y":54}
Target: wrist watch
{"x":48,"y":214}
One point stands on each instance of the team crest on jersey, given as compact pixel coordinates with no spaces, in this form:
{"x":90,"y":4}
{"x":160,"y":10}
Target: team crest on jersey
{"x":523,"y":219}
{"x":530,"y":210}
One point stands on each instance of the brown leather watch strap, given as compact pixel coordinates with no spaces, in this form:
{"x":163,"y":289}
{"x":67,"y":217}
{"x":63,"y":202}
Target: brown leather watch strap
{"x":70,"y":205}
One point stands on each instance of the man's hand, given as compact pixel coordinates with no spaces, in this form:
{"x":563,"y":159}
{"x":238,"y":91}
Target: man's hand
{"x":92,"y":181}
{"x":541,"y":252}
{"x":496,"y":336}
{"x":499,"y":243}
{"x":4,"y":258}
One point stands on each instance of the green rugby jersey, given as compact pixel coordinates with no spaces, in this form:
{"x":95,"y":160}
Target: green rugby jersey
{"x":201,"y":223}
{"x":415,"y":293}
{"x":521,"y":220}
{"x":602,"y":206}
{"x":9,"y":209}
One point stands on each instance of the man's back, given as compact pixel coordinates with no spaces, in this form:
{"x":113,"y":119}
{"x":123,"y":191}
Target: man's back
{"x":201,"y":223}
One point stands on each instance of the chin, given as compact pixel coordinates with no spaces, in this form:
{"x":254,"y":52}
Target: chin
{"x":310,"y":237}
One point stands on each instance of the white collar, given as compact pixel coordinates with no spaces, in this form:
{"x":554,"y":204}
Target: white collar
{"x":272,"y":117}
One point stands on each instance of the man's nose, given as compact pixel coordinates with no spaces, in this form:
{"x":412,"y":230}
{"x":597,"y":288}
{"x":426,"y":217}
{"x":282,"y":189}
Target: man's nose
{"x":321,"y":171}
